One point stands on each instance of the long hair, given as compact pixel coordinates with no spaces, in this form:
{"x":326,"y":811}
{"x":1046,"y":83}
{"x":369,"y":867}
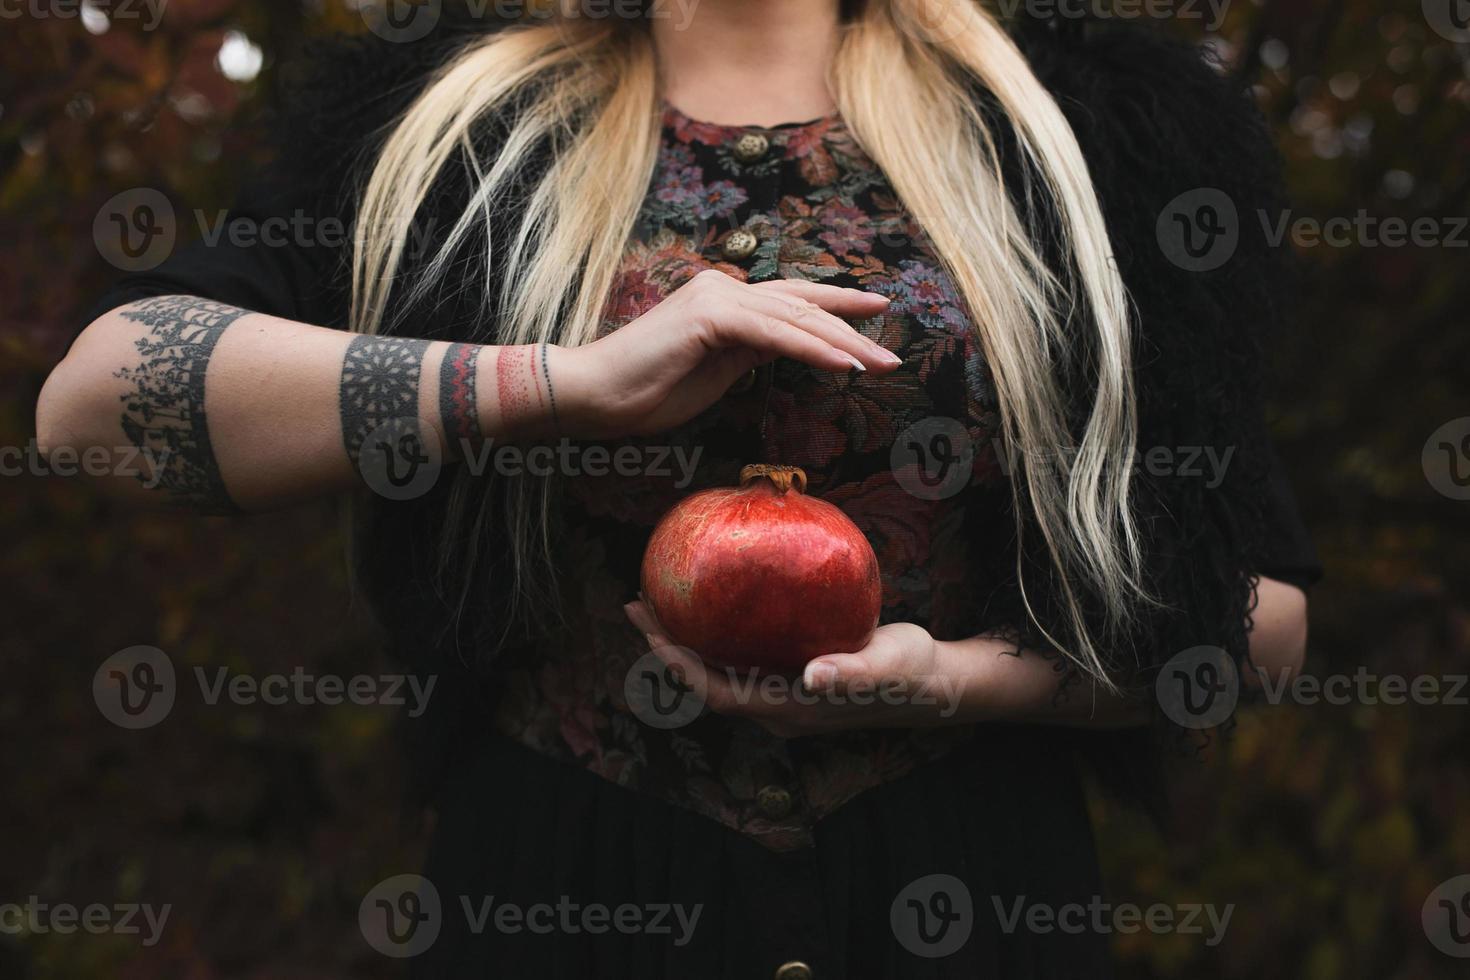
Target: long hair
{"x":906,"y":78}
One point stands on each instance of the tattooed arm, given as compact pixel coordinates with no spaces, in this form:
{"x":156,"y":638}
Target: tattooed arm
{"x":218,"y":409}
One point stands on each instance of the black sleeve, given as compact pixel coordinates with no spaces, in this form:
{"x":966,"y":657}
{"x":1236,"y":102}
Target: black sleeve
{"x":1289,"y":554}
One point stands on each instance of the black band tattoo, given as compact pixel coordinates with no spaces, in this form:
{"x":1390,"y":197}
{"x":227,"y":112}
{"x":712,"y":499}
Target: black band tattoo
{"x":380,"y":391}
{"x":459,"y":411}
{"x":550,"y":391}
{"x":163,"y":414}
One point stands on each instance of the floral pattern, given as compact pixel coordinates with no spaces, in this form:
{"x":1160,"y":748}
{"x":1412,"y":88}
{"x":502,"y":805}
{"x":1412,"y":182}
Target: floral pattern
{"x":822,"y":211}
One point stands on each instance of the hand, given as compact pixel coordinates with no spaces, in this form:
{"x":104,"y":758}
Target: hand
{"x":903,"y":678}
{"x":677,"y":359}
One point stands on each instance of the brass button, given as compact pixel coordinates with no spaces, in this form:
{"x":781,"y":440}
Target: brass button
{"x":774,"y":802}
{"x":795,"y":970}
{"x":739,"y":244}
{"x":750,"y":147}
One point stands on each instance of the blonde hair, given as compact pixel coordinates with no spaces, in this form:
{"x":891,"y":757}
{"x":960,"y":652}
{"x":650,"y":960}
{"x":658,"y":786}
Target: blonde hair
{"x":904,"y":78}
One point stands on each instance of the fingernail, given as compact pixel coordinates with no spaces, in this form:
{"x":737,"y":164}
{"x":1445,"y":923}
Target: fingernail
{"x":888,"y":356}
{"x":818,"y":676}
{"x":855,"y":362}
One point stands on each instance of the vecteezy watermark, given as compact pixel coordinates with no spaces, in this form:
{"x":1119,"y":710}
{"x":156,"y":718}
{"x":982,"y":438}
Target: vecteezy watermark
{"x":1212,"y":12}
{"x":663,"y":695}
{"x":35,"y":917}
{"x":1200,"y":230}
{"x":1446,"y":917}
{"x":1198,"y":688}
{"x":135,"y":688}
{"x":150,"y":12}
{"x":932,"y":916}
{"x":658,"y":693}
{"x":401,"y":460}
{"x":1446,"y":459}
{"x":403,"y":21}
{"x":933,"y":458}
{"x":1207,"y":463}
{"x":1097,"y":915}
{"x":137,"y":229}
{"x":138,"y":687}
{"x":1450,"y":19}
{"x":1367,"y":688}
{"x":402,"y":916}
{"x":144,"y":464}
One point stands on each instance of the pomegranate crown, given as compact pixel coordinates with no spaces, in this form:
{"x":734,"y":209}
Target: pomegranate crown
{"x":783,"y":477}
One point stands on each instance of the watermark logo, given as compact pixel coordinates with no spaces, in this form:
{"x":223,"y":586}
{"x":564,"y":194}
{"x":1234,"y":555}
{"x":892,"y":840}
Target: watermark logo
{"x":135,"y":688}
{"x":401,"y":916}
{"x":1198,"y":688}
{"x":932,"y":459}
{"x":1102,"y":917}
{"x":1199,"y":230}
{"x":1446,"y":459}
{"x":401,"y":21}
{"x":37,"y":918}
{"x":1450,"y":19}
{"x":94,"y":14}
{"x":1446,"y":917}
{"x":395,"y":461}
{"x":933,"y":916}
{"x":135,"y":230}
{"x":1365,"y":688}
{"x":1211,"y":12}
{"x":658,"y":693}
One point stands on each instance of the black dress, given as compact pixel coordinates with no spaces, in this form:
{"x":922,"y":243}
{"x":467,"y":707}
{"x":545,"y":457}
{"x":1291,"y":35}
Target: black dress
{"x":573,"y":841}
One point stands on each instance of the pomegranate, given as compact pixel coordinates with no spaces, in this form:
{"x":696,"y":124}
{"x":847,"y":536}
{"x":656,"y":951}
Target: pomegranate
{"x":761,"y":575}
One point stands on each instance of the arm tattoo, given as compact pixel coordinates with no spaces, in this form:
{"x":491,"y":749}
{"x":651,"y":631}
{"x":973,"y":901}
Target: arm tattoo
{"x":380,"y":390}
{"x":163,"y":413}
{"x":517,"y":382}
{"x":550,"y":391}
{"x":458,"y":407}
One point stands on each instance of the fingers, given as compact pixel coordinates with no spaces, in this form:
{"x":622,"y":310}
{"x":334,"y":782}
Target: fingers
{"x":841,"y":300}
{"x":788,"y":318}
{"x":836,"y":671}
{"x":809,"y":316}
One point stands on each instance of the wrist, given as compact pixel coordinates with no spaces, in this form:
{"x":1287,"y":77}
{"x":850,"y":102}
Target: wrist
{"x":527,"y":391}
{"x":978,"y":665}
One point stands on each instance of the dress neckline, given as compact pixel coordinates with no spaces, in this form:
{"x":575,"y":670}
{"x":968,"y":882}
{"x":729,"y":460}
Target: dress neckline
{"x":678,"y":118}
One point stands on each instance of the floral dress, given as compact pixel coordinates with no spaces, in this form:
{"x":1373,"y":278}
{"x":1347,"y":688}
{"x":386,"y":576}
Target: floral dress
{"x":798,"y":201}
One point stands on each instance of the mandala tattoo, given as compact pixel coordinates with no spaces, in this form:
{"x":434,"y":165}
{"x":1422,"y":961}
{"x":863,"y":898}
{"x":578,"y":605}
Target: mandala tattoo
{"x":380,"y":387}
{"x":458,"y":407}
{"x":163,"y":413}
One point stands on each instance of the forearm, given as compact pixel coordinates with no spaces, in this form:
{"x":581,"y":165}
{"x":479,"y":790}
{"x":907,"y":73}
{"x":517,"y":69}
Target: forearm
{"x":219,"y":409}
{"x":998,"y":683}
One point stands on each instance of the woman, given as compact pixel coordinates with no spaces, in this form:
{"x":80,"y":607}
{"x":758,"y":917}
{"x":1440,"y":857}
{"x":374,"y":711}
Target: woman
{"x":852,"y":238}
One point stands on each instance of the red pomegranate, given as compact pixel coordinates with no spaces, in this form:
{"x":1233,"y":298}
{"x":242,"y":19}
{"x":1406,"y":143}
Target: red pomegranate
{"x":761,"y":575}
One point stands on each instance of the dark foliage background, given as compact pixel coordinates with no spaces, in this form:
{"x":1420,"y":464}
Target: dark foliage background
{"x":1326,"y":826}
